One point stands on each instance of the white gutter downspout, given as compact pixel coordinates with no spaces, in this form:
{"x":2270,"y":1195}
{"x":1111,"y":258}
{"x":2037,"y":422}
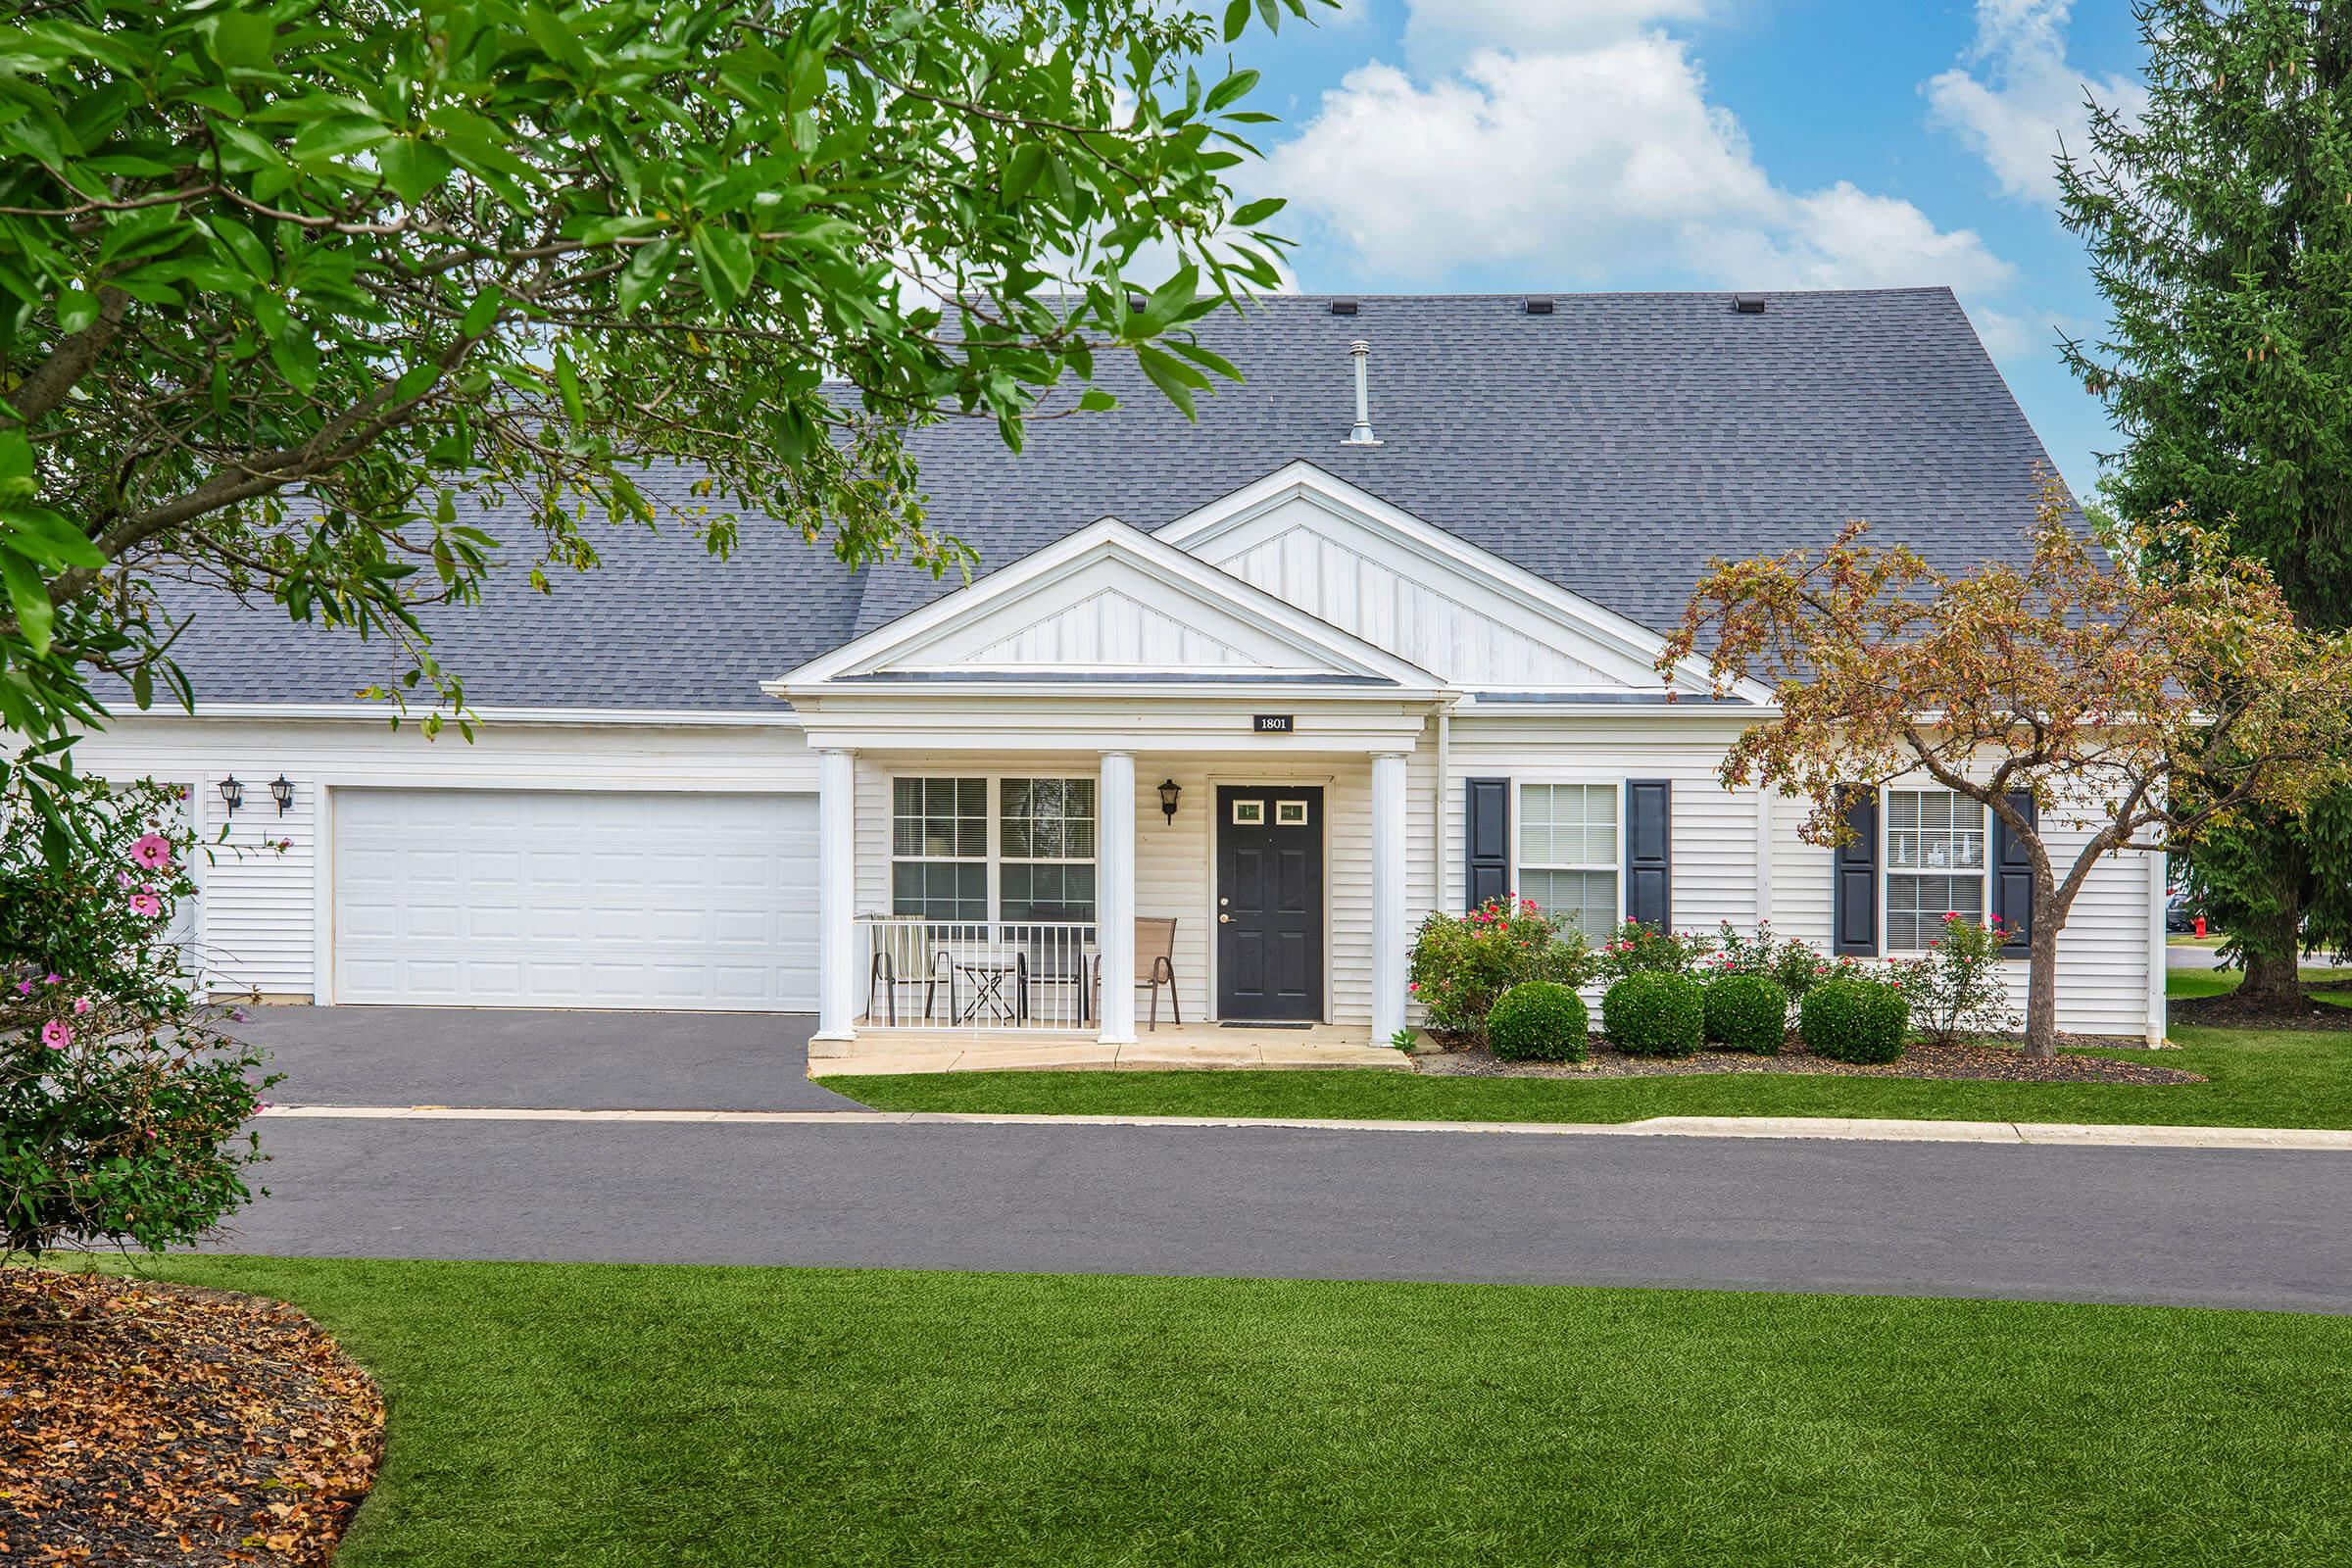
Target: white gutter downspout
{"x":1445,"y":790}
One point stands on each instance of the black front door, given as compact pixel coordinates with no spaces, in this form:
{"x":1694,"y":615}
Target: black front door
{"x":1269,"y":902}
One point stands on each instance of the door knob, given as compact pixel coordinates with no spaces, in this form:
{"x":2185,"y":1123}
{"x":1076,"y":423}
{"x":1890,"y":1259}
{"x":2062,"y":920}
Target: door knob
{"x":1224,"y":919}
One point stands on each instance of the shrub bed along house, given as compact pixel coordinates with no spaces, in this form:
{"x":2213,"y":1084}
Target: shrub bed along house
{"x":1462,"y":964}
{"x":1852,"y":1019}
{"x":1747,"y":1013}
{"x":1541,"y":1020}
{"x":1655,"y":1012}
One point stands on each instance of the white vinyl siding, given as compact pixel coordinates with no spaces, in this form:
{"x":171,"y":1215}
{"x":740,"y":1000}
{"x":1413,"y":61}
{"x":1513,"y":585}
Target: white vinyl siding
{"x":1568,"y":853}
{"x":1934,"y":865}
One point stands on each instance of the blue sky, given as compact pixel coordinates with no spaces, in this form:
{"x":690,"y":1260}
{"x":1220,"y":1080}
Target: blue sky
{"x":1554,"y":145}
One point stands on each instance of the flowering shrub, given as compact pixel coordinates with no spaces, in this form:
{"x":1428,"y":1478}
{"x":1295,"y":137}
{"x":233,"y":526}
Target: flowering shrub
{"x":1539,"y":1021}
{"x":122,"y":1104}
{"x":1638,"y":949}
{"x":1791,"y":961}
{"x":1656,"y":1013}
{"x":1461,"y":965}
{"x":1852,"y":1018}
{"x":1955,"y":989}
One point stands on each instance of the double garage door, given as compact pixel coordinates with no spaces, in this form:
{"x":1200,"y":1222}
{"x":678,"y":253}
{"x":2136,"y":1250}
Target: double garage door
{"x":569,"y":899}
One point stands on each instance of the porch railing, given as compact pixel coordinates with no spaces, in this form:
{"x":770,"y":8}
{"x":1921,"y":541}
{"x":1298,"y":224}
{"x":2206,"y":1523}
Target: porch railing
{"x":976,"y":974}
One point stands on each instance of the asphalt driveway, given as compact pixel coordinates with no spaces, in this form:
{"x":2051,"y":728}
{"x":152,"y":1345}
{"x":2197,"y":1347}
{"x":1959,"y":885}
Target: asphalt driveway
{"x":540,"y":1058}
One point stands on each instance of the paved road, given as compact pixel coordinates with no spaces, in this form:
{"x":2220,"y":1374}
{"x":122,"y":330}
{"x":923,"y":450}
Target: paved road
{"x":547,"y":1057}
{"x":2177,"y":1226}
{"x":2191,"y":957}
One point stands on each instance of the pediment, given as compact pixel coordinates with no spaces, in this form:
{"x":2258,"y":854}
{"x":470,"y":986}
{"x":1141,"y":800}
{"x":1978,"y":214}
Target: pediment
{"x":1111,"y":602}
{"x":1380,"y":574}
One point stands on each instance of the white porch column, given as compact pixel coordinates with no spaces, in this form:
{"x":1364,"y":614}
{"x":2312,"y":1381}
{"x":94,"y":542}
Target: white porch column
{"x":835,"y":893}
{"x":1388,"y":895}
{"x":1114,"y":896}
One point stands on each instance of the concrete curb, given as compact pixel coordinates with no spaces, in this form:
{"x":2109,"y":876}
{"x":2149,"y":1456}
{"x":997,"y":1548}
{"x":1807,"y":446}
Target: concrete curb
{"x":1847,"y":1129}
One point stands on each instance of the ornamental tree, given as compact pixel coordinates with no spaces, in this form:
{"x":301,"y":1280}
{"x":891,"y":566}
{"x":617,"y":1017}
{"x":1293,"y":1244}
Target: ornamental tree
{"x":287,"y":287}
{"x":2148,"y":708}
{"x":123,"y":1105}
{"x":2218,"y":224}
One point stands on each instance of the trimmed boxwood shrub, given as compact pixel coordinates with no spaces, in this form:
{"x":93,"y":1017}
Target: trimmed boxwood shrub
{"x":1539,"y":1021}
{"x":1656,"y":1013}
{"x":1747,"y":1013}
{"x":1852,"y":1019}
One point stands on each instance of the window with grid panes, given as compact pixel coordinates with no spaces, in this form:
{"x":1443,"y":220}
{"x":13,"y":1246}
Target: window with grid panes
{"x":1935,"y":863}
{"x":939,"y":848}
{"x":1568,"y":853}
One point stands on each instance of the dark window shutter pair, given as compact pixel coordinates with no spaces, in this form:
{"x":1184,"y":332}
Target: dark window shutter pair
{"x":1854,"y":876}
{"x":1649,"y":851}
{"x":2013,"y":877}
{"x":1486,"y":839}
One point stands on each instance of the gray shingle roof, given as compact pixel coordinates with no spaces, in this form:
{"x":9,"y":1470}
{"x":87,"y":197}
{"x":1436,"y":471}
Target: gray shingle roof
{"x":1612,"y":447}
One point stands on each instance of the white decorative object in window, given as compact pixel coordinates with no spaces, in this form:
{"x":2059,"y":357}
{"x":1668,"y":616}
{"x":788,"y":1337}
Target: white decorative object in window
{"x":939,"y":848}
{"x":1290,"y":814}
{"x":1934,"y":865}
{"x":1568,"y":853}
{"x":1249,"y":813}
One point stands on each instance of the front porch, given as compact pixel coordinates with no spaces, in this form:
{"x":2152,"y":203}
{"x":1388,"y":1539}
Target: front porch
{"x":1171,"y":1046}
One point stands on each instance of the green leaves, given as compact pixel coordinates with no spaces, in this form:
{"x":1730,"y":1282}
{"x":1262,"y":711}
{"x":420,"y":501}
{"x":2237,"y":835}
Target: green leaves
{"x":534,"y":243}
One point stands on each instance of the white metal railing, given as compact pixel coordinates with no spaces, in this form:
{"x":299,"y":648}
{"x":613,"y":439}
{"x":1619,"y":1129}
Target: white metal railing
{"x":976,"y":974}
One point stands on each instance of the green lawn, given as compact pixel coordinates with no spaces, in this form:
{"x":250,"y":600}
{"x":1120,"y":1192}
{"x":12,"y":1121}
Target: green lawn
{"x":624,"y":1416}
{"x":2257,"y":1078}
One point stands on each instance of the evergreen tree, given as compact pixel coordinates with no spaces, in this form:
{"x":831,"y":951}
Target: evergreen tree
{"x":2220,"y":230}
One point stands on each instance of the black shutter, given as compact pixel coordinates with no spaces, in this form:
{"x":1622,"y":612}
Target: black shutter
{"x":1854,"y":874}
{"x":1649,"y":851}
{"x":1486,"y":839}
{"x":2013,"y":877}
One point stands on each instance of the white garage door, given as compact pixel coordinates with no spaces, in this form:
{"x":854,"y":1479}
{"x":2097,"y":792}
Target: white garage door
{"x":561,"y":899}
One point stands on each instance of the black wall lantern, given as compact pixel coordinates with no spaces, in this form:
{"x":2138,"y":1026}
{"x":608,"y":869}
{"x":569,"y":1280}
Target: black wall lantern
{"x":233,"y":793}
{"x":1168,"y":795}
{"x":281,"y":790}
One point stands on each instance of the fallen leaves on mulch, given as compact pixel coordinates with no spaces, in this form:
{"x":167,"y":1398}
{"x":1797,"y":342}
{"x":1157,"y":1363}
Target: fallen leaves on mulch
{"x":1978,"y":1061}
{"x":147,"y":1423}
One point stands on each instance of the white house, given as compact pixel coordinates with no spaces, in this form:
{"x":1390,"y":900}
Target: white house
{"x":1288,"y":679}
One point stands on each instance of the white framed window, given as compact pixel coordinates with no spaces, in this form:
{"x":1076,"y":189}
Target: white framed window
{"x":1568,"y":860}
{"x":1935,"y":863}
{"x":1046,"y":849}
{"x":939,"y":848}
{"x":1001,"y":848}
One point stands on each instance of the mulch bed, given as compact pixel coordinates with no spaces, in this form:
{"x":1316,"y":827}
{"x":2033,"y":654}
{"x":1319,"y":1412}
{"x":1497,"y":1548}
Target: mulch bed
{"x":148,"y":1423}
{"x":2230,"y":1010}
{"x":1977,"y":1061}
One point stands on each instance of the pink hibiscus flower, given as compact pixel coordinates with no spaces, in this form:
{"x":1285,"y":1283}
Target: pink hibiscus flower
{"x":55,"y":1035}
{"x":148,"y":904}
{"x":153,"y":852}
{"x":81,"y":1004}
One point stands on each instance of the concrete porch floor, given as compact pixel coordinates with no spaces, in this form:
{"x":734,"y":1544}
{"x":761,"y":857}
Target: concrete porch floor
{"x":1188,"y":1046}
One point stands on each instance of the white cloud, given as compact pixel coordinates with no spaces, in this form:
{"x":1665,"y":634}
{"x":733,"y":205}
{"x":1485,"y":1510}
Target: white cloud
{"x":2015,"y":98}
{"x":1438,"y":30}
{"x":1600,"y":164}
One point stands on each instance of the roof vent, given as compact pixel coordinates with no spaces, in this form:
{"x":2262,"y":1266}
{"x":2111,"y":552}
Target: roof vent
{"x":1539,"y":305}
{"x":1361,"y":435}
{"x":1749,"y":304}
{"x":1343,"y":307}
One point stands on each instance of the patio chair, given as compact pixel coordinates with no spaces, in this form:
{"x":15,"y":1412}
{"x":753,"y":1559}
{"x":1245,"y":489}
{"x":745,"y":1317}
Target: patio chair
{"x":1155,"y":966}
{"x":903,"y":956}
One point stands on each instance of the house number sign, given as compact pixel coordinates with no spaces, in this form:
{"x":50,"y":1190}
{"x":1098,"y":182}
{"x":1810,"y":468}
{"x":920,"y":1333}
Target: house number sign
{"x":1271,"y":723}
